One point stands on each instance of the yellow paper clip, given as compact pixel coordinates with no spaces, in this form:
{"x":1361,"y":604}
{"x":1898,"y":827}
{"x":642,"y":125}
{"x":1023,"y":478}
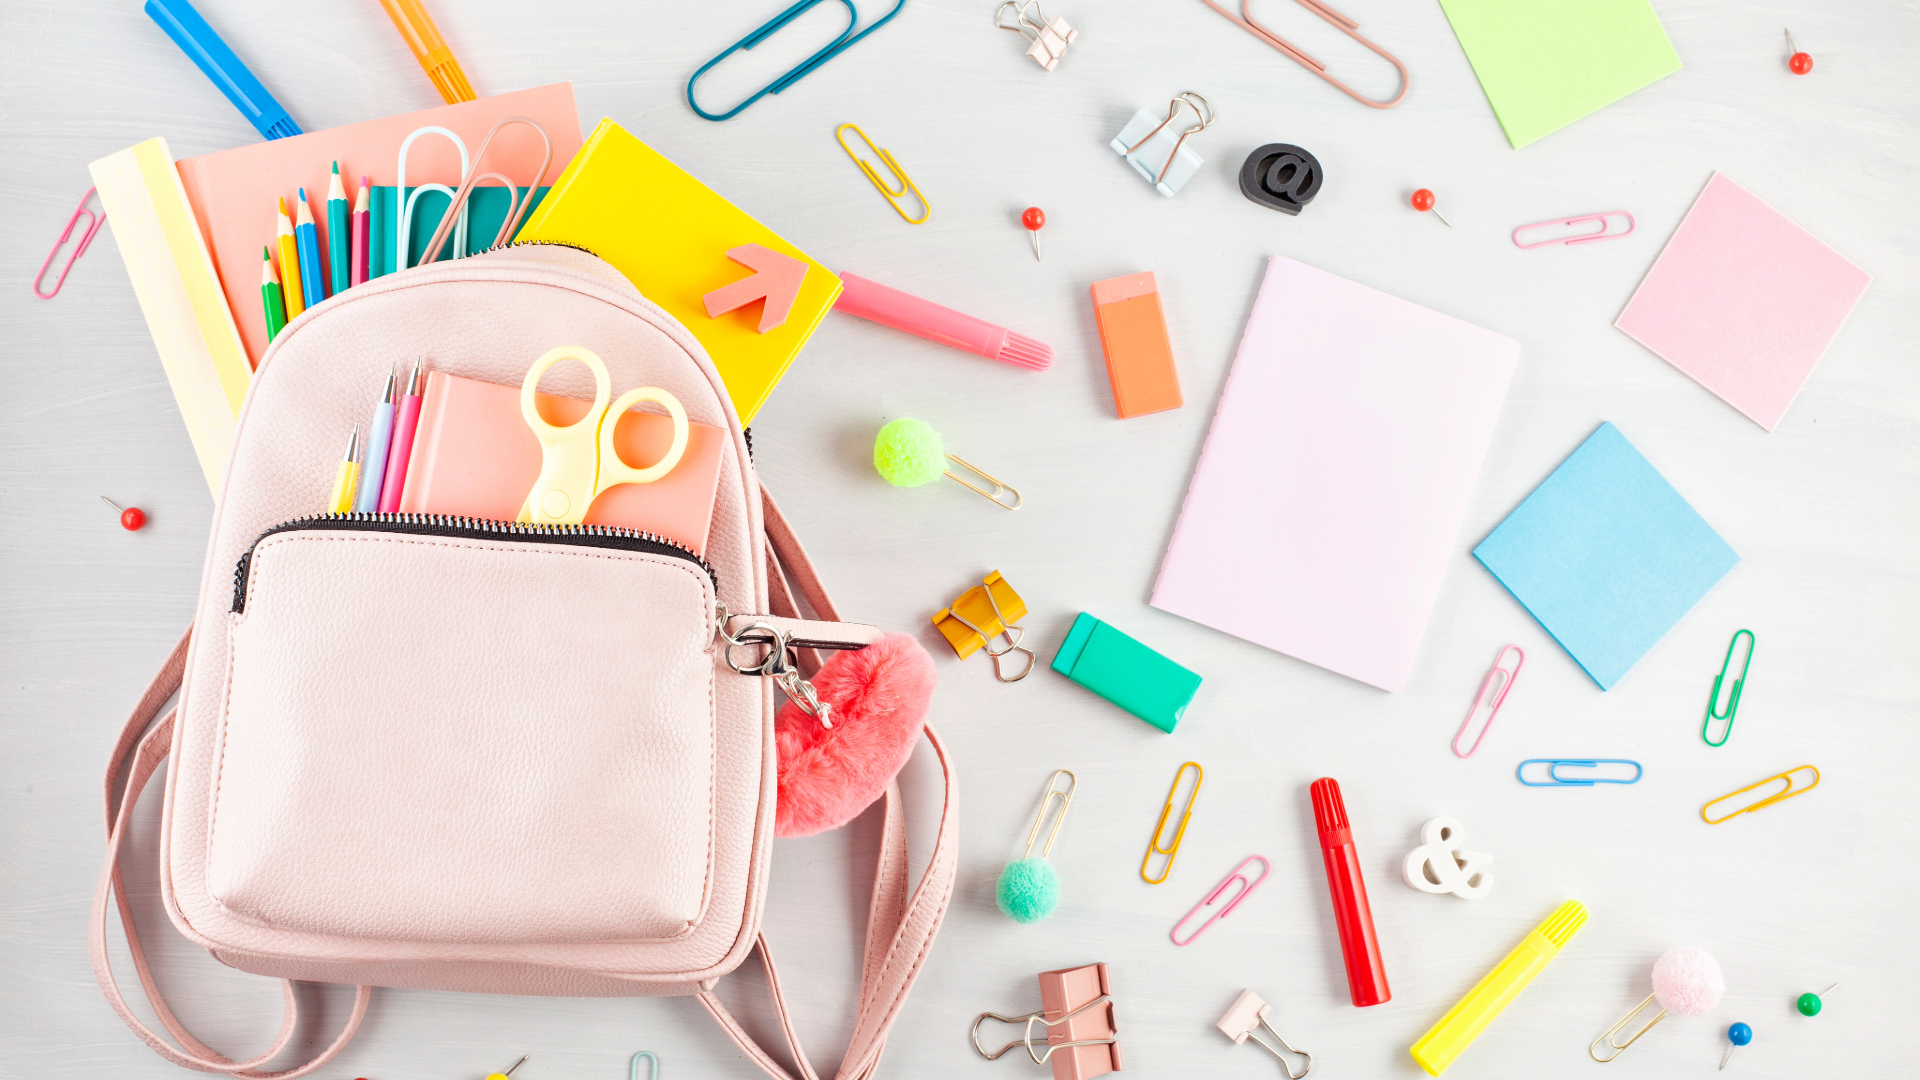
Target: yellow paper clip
{"x":986,"y":611}
{"x":893,"y":197}
{"x":1785,"y":793}
{"x":1173,"y":847}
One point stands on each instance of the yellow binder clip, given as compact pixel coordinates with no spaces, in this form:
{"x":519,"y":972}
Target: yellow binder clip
{"x":892,"y":195}
{"x":982,"y":613}
{"x":579,"y":461}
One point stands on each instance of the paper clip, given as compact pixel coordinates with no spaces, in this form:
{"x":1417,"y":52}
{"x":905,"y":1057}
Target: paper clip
{"x":1340,"y":22}
{"x":1581,"y":238}
{"x":1787,"y":792}
{"x":801,"y":70}
{"x":653,"y":1068}
{"x":94,"y":221}
{"x":1141,"y":130}
{"x":1247,"y":1012}
{"x":970,"y":635}
{"x":1499,"y":698}
{"x":403,"y":232}
{"x":1160,"y":827}
{"x":516,"y":206}
{"x":1246,"y":889}
{"x":1050,"y":37}
{"x":1554,"y":765}
{"x":1733,"y":697}
{"x":893,"y":197}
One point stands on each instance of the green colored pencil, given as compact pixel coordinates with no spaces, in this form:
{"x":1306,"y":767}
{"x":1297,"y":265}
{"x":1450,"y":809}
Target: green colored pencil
{"x":270,"y":296}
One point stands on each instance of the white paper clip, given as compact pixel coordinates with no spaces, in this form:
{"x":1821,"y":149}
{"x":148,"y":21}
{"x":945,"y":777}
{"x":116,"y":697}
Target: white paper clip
{"x":1049,"y":37}
{"x":1249,"y":1012}
{"x":1159,"y":154}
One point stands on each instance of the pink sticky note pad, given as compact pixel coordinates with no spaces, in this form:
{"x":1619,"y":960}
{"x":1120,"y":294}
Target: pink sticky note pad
{"x":1743,"y":301}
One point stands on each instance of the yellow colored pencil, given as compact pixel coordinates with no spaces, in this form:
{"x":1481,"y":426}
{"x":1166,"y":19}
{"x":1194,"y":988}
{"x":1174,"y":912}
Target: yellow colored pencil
{"x":290,"y":265}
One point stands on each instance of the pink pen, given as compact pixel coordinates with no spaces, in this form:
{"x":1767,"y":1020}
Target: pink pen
{"x":406,"y":416}
{"x":904,"y":311}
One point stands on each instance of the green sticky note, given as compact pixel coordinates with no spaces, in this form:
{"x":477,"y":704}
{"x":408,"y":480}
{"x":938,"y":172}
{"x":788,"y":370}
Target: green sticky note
{"x":1546,"y":63}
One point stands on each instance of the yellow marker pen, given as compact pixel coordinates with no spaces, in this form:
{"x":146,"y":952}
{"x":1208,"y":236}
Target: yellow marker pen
{"x":1463,"y":1023}
{"x":343,"y":484}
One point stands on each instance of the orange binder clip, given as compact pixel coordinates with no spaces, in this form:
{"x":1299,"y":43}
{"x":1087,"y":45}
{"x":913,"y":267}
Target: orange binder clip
{"x":1342,"y":23}
{"x":986,"y":611}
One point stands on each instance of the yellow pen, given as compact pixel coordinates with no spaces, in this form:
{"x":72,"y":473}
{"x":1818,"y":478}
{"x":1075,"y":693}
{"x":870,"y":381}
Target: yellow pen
{"x":343,"y":484}
{"x":1463,"y":1023}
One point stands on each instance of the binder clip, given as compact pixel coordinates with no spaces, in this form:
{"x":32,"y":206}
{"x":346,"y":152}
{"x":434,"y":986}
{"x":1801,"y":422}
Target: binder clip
{"x":982,"y":613}
{"x":1050,"y":37}
{"x":1249,"y":1011}
{"x":1159,"y":154}
{"x":1076,"y":1009}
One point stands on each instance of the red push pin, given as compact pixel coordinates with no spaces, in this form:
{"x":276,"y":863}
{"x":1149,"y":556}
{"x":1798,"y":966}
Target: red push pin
{"x":1423,"y":202}
{"x":132,"y":518}
{"x":1033,"y":220}
{"x":1799,"y":63}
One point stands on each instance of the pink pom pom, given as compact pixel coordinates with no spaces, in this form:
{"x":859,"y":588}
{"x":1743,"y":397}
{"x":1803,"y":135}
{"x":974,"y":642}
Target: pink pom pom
{"x":1687,"y":982}
{"x":880,"y":696}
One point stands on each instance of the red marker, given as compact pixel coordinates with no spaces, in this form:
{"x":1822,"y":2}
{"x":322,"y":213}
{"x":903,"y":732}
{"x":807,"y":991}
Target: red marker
{"x":1359,"y":945}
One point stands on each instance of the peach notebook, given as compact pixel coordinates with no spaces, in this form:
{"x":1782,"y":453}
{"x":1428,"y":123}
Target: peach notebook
{"x":475,"y":456}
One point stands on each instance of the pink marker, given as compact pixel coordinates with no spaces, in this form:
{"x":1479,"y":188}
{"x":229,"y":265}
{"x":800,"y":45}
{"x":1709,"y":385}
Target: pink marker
{"x":406,"y":416}
{"x":904,"y":311}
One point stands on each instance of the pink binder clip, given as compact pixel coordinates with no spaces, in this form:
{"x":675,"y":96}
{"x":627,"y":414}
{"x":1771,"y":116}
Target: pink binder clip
{"x":1246,"y":889}
{"x":1050,"y":37}
{"x":1605,"y":221}
{"x":1249,"y":1012}
{"x":94,"y":221}
{"x":1487,"y":685}
{"x":1076,"y":1016}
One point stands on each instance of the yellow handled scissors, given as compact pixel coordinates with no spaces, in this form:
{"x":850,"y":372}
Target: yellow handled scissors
{"x":579,"y":461}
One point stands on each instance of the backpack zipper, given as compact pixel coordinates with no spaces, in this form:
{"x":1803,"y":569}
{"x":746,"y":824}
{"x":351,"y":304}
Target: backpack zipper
{"x":466,"y":528}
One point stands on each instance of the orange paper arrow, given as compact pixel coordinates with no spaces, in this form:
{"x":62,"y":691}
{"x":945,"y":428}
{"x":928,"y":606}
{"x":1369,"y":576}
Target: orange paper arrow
{"x":776,"y":278}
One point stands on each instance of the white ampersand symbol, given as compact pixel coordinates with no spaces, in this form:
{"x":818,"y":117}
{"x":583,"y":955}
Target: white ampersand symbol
{"x":1440,"y":865}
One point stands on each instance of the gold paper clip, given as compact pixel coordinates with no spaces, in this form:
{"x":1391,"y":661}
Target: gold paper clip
{"x":979,"y":615}
{"x":1785,"y":793}
{"x":893,"y":197}
{"x":1160,"y":827}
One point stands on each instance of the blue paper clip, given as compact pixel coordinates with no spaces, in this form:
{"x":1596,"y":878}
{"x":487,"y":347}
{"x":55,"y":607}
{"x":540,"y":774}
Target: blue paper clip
{"x":1554,"y":765}
{"x":653,"y":1066}
{"x":772,"y":26}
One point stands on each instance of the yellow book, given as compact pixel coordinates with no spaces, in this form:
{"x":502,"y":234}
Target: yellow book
{"x":180,"y":294}
{"x":670,"y":234}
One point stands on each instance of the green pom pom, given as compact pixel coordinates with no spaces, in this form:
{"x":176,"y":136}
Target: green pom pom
{"x":909,"y":453}
{"x":1028,"y":891}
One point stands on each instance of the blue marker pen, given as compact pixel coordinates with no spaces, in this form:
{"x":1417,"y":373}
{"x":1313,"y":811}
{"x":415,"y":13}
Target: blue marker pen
{"x":307,"y":238}
{"x":374,"y":475}
{"x":204,"y":47}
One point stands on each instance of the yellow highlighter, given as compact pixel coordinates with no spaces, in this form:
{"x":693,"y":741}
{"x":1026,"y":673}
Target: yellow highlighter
{"x":349,"y":476}
{"x":1463,"y":1023}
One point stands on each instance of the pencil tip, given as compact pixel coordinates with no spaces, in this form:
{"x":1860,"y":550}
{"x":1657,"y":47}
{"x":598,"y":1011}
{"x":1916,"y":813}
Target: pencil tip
{"x":336,"y":168}
{"x":303,"y":194}
{"x":283,"y":204}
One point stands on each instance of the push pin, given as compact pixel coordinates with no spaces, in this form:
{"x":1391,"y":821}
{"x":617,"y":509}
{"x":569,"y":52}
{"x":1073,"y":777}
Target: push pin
{"x":133,"y":519}
{"x":1810,"y":1004}
{"x":1799,"y":63}
{"x":1248,"y":1012}
{"x":1033,"y":220}
{"x":1423,"y":202}
{"x":1737,"y":1036}
{"x":1050,"y":37}
{"x":510,"y":1068}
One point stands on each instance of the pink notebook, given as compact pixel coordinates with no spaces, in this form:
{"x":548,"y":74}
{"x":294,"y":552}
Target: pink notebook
{"x":475,"y":456}
{"x":1328,"y":501}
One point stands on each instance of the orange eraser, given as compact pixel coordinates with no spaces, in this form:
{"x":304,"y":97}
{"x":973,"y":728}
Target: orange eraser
{"x":1133,"y":334}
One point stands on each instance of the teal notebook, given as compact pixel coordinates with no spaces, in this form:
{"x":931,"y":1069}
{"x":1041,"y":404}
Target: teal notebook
{"x":487,"y":211}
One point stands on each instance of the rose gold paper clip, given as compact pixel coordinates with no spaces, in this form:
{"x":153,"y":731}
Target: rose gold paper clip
{"x":1605,"y":220}
{"x":94,"y":221}
{"x":1488,"y":685}
{"x":1340,"y":22}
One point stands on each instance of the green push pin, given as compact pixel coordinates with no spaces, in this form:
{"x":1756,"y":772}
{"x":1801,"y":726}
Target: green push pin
{"x":1809,"y":1004}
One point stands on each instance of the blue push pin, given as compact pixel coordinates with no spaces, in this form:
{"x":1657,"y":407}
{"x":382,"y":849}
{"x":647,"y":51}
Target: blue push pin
{"x":1738,"y":1035}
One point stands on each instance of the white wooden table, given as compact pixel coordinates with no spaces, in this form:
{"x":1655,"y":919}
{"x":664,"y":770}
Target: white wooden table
{"x":1823,"y":513}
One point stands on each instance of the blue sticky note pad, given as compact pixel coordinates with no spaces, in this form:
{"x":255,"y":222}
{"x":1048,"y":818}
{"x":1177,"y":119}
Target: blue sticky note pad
{"x":1606,"y":555}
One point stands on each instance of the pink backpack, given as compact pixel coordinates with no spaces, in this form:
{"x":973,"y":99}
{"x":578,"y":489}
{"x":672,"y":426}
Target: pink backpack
{"x":386,"y":727}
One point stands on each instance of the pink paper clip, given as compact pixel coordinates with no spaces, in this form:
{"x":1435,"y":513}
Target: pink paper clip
{"x":94,"y":221}
{"x":1499,"y":698}
{"x":1246,"y":889}
{"x":1581,"y":238}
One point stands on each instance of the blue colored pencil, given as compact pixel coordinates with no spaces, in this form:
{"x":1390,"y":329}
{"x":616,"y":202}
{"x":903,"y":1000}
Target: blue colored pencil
{"x":313,"y":276}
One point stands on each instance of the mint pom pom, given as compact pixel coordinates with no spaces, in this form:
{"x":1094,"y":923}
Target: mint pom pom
{"x":908,"y":453}
{"x":1028,"y":890}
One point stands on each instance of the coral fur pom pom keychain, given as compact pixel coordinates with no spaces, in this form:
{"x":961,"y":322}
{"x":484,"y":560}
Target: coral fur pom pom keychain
{"x":880,"y":697}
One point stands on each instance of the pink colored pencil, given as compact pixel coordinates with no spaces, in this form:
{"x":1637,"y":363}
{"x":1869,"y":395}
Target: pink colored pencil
{"x":361,"y":237}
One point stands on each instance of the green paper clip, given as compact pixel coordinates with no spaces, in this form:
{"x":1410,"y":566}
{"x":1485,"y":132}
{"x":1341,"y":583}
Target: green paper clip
{"x":1733,"y":699}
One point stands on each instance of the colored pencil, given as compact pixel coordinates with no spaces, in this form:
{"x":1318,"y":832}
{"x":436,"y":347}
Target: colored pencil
{"x":313,"y":273}
{"x":361,"y":236}
{"x":406,"y":418}
{"x":339,"y":243}
{"x":373,"y":477}
{"x":343,"y":483}
{"x":270,"y":296}
{"x":290,"y":266}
